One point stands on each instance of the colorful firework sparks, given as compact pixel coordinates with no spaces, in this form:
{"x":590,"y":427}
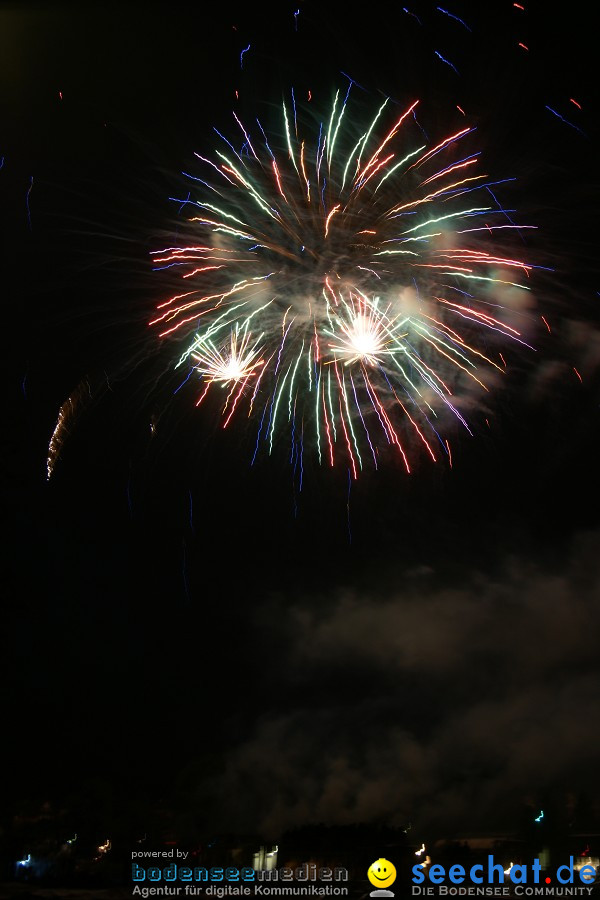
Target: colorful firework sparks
{"x":349,"y":289}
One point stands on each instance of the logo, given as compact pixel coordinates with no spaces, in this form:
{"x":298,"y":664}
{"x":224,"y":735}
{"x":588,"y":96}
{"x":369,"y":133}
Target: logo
{"x":381,"y":874}
{"x":522,"y":878}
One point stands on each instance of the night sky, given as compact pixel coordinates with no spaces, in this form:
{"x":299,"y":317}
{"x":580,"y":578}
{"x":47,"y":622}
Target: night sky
{"x":182,"y":627}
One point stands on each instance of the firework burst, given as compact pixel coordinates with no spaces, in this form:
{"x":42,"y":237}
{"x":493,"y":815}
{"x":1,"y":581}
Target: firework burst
{"x":349,"y":290}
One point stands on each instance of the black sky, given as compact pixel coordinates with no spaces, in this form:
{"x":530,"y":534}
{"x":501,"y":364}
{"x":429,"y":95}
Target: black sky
{"x":179,"y":624}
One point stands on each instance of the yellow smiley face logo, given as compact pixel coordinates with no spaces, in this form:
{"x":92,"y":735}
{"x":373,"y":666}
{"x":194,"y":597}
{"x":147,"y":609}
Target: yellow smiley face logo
{"x":382,"y":873}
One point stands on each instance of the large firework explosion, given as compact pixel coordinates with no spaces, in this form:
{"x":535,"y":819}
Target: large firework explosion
{"x":355,"y":288}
